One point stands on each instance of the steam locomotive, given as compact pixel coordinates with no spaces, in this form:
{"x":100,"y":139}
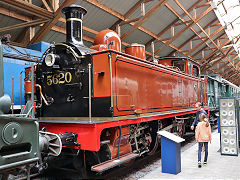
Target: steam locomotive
{"x":106,"y":105}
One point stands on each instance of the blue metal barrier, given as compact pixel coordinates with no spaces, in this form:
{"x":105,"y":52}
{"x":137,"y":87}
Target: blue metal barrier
{"x":170,"y":152}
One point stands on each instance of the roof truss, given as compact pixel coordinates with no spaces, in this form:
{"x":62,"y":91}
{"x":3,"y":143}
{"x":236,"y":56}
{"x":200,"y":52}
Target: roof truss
{"x":211,"y":43}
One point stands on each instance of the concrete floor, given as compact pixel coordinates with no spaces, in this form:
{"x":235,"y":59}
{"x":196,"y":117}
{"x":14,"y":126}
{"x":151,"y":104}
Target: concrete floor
{"x":218,"y":167}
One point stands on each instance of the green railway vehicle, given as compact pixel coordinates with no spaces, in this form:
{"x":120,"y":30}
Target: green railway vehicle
{"x":218,"y":87}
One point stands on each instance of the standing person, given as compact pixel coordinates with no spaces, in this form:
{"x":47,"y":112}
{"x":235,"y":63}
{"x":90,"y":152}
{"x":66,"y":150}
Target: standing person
{"x":203,"y":136}
{"x":200,"y":110}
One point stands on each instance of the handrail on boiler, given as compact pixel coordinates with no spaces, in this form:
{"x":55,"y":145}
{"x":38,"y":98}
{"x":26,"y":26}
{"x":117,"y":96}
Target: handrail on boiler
{"x":90,"y":93}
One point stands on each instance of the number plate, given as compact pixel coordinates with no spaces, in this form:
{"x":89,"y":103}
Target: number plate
{"x":60,"y":78}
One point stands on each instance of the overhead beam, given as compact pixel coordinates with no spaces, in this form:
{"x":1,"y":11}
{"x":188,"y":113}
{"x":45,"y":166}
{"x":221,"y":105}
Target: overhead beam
{"x":14,"y":14}
{"x":57,"y":28}
{"x":235,"y":58}
{"x":194,"y":36}
{"x":212,"y":53}
{"x":54,"y":28}
{"x":25,"y":36}
{"x":227,"y":69}
{"x":25,"y":24}
{"x":47,"y":26}
{"x":144,"y":30}
{"x":217,"y":24}
{"x":105,"y":8}
{"x":22,"y":17}
{"x":181,"y":23}
{"x":118,"y":15}
{"x":206,"y":39}
{"x":195,"y":20}
{"x":47,"y":6}
{"x":202,"y":5}
{"x":196,"y":39}
{"x":28,"y":8}
{"x":127,"y":14}
{"x":218,"y":37}
{"x":224,"y":56}
{"x":129,"y":21}
{"x":21,"y":36}
{"x":191,"y":28}
{"x":237,"y":63}
{"x":170,"y":25}
{"x":231,"y":73}
{"x":219,"y":49}
{"x":86,"y":38}
{"x":144,"y":18}
{"x":55,"y":4}
{"x":185,"y":28}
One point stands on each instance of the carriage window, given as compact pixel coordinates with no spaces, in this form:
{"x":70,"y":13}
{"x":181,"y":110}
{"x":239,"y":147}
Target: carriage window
{"x":195,"y":71}
{"x":180,"y":64}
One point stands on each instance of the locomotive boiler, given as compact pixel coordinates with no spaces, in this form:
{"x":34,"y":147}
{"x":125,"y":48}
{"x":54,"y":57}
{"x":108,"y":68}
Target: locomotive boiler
{"x":107,"y":106}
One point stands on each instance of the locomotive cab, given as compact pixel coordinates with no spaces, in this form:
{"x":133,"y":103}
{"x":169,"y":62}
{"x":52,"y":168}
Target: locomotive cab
{"x":184,"y":65}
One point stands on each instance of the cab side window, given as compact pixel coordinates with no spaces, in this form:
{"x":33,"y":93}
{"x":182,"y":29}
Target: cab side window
{"x":180,"y":64}
{"x":195,"y":71}
{"x":190,"y":68}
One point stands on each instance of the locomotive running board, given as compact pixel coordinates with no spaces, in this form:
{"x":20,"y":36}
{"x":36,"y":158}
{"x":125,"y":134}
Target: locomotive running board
{"x":113,"y":162}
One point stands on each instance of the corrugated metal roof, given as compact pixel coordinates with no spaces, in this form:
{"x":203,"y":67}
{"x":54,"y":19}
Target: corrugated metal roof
{"x":8,"y":21}
{"x":136,"y":37}
{"x":96,"y":18}
{"x":159,"y":20}
{"x":16,"y":10}
{"x":99,"y":19}
{"x":121,"y":6}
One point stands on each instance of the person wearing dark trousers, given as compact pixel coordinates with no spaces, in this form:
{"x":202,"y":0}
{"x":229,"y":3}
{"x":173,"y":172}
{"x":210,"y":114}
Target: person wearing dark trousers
{"x":200,"y":110}
{"x":203,"y":136}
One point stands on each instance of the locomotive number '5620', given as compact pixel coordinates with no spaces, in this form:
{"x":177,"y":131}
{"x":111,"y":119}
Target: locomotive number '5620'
{"x":60,"y":78}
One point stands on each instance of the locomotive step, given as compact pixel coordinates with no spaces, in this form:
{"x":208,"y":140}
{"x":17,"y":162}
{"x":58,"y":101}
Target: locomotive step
{"x":113,"y":162}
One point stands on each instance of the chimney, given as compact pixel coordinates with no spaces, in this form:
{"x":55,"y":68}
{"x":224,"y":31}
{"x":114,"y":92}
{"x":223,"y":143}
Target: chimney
{"x":74,"y":14}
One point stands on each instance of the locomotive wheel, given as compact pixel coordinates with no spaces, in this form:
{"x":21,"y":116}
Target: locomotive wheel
{"x":64,"y":160}
{"x":180,"y":129}
{"x":154,"y":144}
{"x":104,"y":153}
{"x":78,"y":164}
{"x":93,"y":157}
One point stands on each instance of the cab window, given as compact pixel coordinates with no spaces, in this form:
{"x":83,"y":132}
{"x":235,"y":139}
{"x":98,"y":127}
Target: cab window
{"x":190,"y":68}
{"x":195,"y":71}
{"x":180,"y":64}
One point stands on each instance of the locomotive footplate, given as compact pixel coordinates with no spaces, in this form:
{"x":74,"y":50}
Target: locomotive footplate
{"x":95,"y":120}
{"x":89,"y":131}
